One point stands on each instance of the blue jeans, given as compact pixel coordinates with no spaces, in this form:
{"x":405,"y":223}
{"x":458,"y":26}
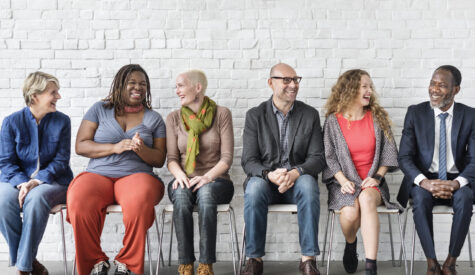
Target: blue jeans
{"x":207,"y":198}
{"x":24,"y":237}
{"x":259,"y":194}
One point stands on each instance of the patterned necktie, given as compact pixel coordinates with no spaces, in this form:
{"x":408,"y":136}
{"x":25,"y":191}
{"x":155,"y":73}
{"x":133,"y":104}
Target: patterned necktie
{"x":442,"y":148}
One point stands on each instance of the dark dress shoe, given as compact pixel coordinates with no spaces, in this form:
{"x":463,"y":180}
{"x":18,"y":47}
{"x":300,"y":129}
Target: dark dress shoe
{"x":448,"y":268}
{"x":309,"y":267}
{"x":38,"y":268}
{"x":253,"y":267}
{"x":433,"y":267}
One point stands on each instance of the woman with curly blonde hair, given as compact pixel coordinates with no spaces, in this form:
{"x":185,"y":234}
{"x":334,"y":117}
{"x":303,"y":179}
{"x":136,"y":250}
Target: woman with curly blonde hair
{"x":359,"y":150}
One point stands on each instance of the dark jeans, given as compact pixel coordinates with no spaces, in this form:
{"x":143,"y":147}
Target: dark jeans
{"x":424,"y":202}
{"x":207,"y":198}
{"x":260,"y":193}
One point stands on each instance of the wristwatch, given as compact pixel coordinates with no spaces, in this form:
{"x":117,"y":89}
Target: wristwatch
{"x":378,"y":177}
{"x":265,"y":172}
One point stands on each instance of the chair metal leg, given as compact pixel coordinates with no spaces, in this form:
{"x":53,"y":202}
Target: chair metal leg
{"x":331,"y":242}
{"x":231,"y":233}
{"x":413,"y":247}
{"x":235,"y":234}
{"x":73,"y":272}
{"x":404,"y":235}
{"x":391,"y":240}
{"x":171,"y":242}
{"x":160,"y":254}
{"x":242,"y":259}
{"x":63,"y":239}
{"x":470,"y":248}
{"x":403,"y":244}
{"x":325,"y":239}
{"x":160,"y":236}
{"x":149,"y":254}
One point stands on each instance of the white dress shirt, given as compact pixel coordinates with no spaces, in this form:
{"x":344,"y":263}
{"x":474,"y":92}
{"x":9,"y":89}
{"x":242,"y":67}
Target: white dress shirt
{"x":434,"y":167}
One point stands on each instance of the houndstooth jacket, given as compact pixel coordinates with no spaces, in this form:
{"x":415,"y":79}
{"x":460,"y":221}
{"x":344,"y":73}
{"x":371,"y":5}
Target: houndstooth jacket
{"x":338,"y":158}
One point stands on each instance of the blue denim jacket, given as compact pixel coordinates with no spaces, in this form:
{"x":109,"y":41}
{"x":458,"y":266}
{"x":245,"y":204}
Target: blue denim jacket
{"x":21,"y":140}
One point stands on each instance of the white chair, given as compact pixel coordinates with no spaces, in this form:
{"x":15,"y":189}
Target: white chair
{"x":115,"y":208}
{"x":381,"y":210}
{"x":222,"y":208}
{"x":273,"y":208}
{"x":437,"y":210}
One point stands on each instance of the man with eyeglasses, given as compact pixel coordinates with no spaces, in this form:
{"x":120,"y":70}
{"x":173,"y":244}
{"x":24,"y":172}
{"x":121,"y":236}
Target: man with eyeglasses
{"x":282,"y":156}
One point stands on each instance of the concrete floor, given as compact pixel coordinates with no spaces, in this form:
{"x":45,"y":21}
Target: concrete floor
{"x":270,"y":268}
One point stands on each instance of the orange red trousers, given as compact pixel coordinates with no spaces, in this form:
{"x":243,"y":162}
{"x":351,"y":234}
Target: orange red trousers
{"x":89,"y":195}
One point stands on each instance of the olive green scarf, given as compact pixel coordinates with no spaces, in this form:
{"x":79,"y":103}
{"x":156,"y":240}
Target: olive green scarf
{"x":195,"y":124}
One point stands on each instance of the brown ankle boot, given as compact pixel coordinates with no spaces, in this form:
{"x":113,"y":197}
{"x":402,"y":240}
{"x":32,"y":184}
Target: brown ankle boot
{"x":433,"y":267}
{"x":448,"y":268}
{"x":38,"y":268}
{"x":185,"y":269}
{"x":205,"y":269}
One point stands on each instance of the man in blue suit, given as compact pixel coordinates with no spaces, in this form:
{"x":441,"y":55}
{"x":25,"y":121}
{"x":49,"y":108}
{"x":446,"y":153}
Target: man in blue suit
{"x":437,"y":156}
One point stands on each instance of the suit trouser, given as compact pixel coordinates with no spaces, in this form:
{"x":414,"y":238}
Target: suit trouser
{"x":461,"y":202}
{"x":89,"y":195}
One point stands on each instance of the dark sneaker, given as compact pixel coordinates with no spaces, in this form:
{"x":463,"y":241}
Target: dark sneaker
{"x":350,"y":257}
{"x":121,"y":269}
{"x":253,"y":267}
{"x":101,"y":268}
{"x":309,"y":267}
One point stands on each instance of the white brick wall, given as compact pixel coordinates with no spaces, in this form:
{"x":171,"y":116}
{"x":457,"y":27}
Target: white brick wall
{"x":84,"y":42}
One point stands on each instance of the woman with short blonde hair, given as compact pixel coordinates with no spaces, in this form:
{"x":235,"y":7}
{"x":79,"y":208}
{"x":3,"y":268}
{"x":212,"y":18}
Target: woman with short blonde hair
{"x":29,"y":183}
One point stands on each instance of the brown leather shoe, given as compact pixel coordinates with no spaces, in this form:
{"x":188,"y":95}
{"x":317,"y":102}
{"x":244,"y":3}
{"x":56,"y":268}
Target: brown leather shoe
{"x":38,"y":268}
{"x":433,"y":267}
{"x":448,"y":268}
{"x":309,"y":267}
{"x":253,"y":267}
{"x":19,"y":272}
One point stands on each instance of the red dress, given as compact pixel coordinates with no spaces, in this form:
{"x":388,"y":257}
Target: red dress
{"x":361,"y":140}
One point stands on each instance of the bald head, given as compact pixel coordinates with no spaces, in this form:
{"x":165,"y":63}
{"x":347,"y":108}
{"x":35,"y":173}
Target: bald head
{"x":281,"y":67}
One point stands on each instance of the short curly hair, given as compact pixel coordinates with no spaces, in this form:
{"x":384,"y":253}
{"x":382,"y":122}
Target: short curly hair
{"x":35,"y":84}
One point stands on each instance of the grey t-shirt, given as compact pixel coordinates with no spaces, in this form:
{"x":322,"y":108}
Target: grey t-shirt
{"x":109,"y":131}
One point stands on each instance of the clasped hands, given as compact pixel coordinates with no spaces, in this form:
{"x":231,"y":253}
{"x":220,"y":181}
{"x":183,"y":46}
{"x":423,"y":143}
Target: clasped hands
{"x":135,"y":144}
{"x":186,"y":182}
{"x":24,"y":189}
{"x":348,"y":187}
{"x":440,"y":189}
{"x":283,"y":178}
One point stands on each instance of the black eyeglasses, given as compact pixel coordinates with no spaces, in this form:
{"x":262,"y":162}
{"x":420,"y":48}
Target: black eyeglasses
{"x":287,"y":80}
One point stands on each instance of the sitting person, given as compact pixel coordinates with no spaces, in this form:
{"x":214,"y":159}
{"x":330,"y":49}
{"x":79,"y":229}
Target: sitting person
{"x":35,"y":145}
{"x":200,"y":144}
{"x":124,"y":139}
{"x":282,"y":156}
{"x":437,"y":156}
{"x":359,"y":150}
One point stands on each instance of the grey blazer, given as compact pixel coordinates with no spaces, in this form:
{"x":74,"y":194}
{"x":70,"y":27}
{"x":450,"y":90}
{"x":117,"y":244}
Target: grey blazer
{"x":261,"y":140}
{"x":338,"y":158}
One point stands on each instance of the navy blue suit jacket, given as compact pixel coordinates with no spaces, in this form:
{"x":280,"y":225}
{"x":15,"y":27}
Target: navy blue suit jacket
{"x":417,"y":145}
